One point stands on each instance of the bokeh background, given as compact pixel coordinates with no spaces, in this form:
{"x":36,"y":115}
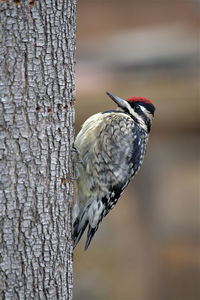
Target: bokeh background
{"x":148,"y":247}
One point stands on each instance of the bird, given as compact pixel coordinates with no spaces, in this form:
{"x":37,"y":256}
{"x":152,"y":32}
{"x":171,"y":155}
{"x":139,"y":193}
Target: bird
{"x":110,"y":150}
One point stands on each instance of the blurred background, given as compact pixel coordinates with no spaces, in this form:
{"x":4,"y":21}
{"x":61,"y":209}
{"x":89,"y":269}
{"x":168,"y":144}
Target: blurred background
{"x":148,"y":247}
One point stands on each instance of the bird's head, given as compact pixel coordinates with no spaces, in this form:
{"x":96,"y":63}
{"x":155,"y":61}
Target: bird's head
{"x":139,"y":108}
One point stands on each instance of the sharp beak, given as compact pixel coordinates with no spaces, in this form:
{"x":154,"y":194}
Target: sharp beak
{"x":120,"y":102}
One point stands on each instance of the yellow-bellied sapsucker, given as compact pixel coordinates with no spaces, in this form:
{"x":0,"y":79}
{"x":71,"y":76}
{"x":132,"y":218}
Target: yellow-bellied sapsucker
{"x":111,"y":147}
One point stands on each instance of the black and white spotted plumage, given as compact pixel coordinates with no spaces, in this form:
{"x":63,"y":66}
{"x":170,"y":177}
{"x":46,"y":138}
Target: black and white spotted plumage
{"x":111,"y":147}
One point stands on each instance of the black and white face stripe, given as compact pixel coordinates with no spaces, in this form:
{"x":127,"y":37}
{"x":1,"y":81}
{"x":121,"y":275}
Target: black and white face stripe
{"x":141,"y":112}
{"x":142,"y":107}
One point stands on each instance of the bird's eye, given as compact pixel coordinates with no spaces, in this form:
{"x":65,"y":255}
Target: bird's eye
{"x":137,"y":108}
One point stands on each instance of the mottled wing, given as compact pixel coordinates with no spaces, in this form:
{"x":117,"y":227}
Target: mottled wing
{"x":112,"y":149}
{"x":124,"y":161}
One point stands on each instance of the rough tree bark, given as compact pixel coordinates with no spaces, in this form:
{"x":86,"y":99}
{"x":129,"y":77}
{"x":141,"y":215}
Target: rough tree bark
{"x":37,"y":119}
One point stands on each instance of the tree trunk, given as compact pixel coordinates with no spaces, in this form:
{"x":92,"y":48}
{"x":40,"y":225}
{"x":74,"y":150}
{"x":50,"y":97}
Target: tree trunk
{"x":37,"y":119}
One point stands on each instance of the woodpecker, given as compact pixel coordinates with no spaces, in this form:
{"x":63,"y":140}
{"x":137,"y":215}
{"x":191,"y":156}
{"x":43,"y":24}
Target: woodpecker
{"x":111,"y":147}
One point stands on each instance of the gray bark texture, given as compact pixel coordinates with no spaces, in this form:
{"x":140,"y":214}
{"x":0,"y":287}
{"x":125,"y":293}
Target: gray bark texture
{"x":37,"y":119}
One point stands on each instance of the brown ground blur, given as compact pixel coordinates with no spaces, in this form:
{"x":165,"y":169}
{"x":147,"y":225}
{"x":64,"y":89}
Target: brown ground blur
{"x":148,"y":247}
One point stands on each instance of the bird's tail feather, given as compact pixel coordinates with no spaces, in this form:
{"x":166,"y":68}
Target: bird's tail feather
{"x":90,"y":234}
{"x":79,"y":227}
{"x":78,"y":231}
